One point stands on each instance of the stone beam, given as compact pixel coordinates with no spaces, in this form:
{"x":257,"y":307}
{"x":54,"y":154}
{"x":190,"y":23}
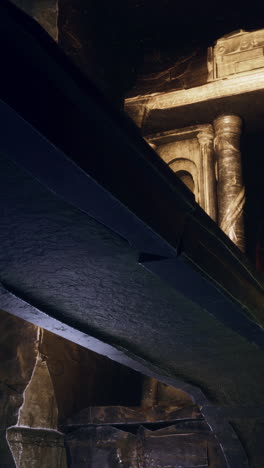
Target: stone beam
{"x":216,"y":89}
{"x":201,"y":104}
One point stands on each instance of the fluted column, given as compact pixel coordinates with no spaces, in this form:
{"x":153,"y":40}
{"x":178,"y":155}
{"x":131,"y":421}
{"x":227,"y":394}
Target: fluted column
{"x":209,"y":198}
{"x":230,"y":190}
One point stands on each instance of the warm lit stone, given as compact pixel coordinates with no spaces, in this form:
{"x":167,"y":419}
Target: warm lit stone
{"x":237,"y":52}
{"x":189,"y":153}
{"x":209,"y":202}
{"x":231,"y":191}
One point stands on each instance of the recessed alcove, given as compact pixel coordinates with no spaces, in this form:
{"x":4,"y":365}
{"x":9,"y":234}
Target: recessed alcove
{"x":187,"y":179}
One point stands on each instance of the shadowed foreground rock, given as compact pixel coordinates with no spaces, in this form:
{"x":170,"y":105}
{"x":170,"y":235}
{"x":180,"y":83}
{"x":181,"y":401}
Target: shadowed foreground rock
{"x":182,"y":445}
{"x":37,"y":448}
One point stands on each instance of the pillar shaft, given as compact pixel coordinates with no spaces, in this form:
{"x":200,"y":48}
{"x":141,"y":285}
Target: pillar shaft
{"x":209,"y":198}
{"x":230,"y":190}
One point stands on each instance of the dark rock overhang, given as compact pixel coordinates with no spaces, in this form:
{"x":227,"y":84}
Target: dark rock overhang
{"x":95,"y":159}
{"x":84,"y":198}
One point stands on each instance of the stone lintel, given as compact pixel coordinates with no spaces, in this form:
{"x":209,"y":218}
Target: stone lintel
{"x":203,"y":103}
{"x":230,"y":86}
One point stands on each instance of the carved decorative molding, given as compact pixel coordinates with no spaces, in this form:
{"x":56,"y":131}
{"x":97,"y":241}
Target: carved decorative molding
{"x":234,"y":53}
{"x":191,"y":149}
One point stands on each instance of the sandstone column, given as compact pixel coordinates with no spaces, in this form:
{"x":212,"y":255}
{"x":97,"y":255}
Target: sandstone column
{"x":230,"y":190}
{"x":209,"y":201}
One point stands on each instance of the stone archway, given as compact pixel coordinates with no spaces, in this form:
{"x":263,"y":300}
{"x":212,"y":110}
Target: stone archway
{"x":187,"y":179}
{"x":187,"y":172}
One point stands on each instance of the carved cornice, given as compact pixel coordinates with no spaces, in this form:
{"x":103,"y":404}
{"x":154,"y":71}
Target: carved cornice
{"x":178,"y":134}
{"x":217,"y":89}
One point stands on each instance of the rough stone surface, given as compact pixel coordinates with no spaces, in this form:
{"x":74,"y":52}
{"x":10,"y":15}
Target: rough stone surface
{"x":112,"y":415}
{"x":39,"y":408}
{"x":234,"y":376}
{"x":37,"y":448}
{"x":18,"y":351}
{"x":178,"y":447}
{"x":64,"y":262}
{"x":43,"y":11}
{"x":33,"y":389}
{"x":7,"y":460}
{"x":250,"y":432}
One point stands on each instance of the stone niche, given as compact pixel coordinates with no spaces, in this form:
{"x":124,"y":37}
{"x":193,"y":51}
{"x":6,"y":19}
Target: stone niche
{"x":189,"y":153}
{"x":238,"y":52}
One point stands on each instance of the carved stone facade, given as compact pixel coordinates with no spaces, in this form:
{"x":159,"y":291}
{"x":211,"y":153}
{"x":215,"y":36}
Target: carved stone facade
{"x":197,"y":131}
{"x":189,"y":153}
{"x":207,"y":160}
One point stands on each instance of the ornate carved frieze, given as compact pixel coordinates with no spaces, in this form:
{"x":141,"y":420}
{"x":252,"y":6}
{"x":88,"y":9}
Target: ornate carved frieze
{"x":234,"y":53}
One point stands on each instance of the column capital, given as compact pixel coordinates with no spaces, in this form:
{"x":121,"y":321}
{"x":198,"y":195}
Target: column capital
{"x":228,"y":123}
{"x":205,"y":135}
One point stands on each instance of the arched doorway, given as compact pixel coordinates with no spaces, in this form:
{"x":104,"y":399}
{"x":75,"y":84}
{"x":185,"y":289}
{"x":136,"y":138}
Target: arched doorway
{"x":187,"y":179}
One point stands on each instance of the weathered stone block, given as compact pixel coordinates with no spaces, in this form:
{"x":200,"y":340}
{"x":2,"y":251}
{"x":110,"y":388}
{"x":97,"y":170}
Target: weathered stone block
{"x":37,"y":448}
